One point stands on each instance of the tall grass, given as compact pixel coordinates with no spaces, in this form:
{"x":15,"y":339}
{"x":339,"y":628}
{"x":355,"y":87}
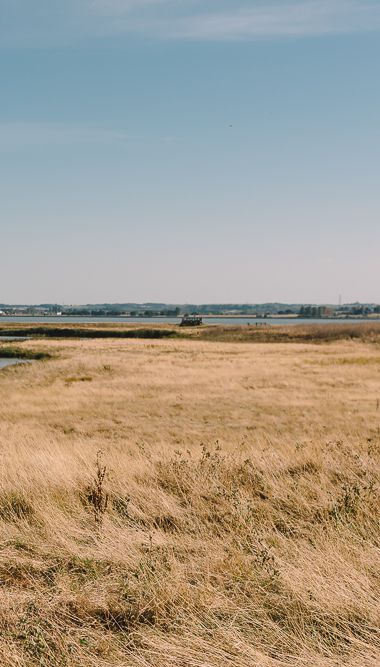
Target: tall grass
{"x":368,"y":331}
{"x":308,"y":333}
{"x":259,"y":549}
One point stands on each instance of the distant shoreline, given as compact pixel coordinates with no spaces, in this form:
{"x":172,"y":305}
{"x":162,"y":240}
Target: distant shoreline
{"x":290,"y":316}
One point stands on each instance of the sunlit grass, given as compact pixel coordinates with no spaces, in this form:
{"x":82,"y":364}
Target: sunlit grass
{"x":232,"y":518}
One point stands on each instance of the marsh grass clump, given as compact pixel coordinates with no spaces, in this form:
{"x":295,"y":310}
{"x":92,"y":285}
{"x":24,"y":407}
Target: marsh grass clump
{"x":13,"y":352}
{"x":96,"y":494}
{"x":353,"y":498}
{"x":15,"y":506}
{"x":51,"y":331}
{"x":79,"y":378}
{"x":121,"y":505}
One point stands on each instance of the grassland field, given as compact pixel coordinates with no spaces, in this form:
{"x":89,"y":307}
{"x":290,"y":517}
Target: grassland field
{"x":207,"y":499}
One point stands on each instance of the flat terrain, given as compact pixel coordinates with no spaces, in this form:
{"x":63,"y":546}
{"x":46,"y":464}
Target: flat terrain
{"x":231,"y":519}
{"x":254,"y":333}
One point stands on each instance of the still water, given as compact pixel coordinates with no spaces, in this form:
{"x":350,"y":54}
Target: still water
{"x":10,"y":338}
{"x":229,"y":321}
{"x":9,"y":362}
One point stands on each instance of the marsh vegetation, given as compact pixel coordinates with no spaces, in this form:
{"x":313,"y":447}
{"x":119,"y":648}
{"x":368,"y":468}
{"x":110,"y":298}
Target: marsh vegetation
{"x":191,"y":503}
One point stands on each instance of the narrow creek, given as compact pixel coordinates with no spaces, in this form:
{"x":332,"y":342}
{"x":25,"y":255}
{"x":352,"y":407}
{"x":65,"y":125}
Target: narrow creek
{"x":11,"y":362}
{"x":13,"y":338}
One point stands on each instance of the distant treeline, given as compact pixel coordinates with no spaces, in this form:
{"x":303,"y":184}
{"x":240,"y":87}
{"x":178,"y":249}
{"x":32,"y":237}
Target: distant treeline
{"x":316,"y":312}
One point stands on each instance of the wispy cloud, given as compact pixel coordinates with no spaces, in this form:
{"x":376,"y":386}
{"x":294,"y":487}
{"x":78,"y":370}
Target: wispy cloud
{"x":186,"y":19}
{"x":275,"y":19}
{"x":124,"y":6}
{"x":17,"y":136}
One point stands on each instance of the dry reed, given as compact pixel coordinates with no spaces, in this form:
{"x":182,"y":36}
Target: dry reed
{"x":236,"y":522}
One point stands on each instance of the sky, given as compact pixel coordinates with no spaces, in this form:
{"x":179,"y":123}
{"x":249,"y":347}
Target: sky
{"x":189,"y":151}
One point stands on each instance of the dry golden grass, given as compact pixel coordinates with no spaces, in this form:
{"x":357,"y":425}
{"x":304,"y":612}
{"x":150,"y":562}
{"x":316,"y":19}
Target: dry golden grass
{"x":255,"y":332}
{"x":236,"y":523}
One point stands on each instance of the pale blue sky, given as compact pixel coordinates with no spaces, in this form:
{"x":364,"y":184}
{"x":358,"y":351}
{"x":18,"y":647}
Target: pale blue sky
{"x":188,"y":150}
